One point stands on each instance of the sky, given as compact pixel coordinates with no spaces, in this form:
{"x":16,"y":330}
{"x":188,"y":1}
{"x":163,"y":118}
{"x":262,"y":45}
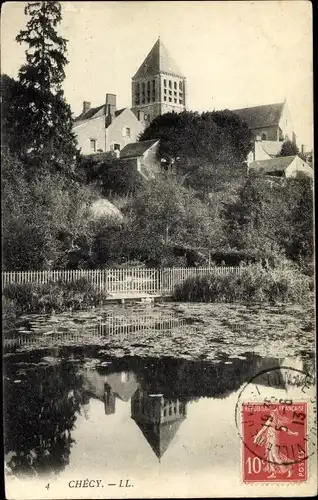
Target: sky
{"x":234,"y":54}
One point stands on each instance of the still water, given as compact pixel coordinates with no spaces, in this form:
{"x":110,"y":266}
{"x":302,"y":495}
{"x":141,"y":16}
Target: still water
{"x":74,"y":411}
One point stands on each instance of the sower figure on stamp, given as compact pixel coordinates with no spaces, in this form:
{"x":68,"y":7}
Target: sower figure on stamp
{"x":268,"y":436}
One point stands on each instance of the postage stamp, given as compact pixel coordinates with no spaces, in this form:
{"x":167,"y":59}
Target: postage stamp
{"x":275,"y":419}
{"x":274,"y":442}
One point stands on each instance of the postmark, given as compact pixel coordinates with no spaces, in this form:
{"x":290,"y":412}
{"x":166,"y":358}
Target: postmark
{"x":275,"y":418}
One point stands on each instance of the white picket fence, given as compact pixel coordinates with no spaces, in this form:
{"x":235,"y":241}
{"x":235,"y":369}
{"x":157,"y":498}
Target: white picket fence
{"x":129,"y":280}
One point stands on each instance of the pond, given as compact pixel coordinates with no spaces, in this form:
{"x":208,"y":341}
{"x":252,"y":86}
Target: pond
{"x":144,"y":394}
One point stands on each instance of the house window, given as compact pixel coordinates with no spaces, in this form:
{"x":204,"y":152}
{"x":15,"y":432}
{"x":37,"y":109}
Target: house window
{"x":170,"y":100}
{"x":165,"y":83}
{"x":93,"y":145}
{"x":180,"y":86}
{"x":264,"y":137}
{"x":164,"y":97}
{"x":175,"y":100}
{"x":126,"y":132}
{"x":170,"y":84}
{"x":175,"y":85}
{"x":180,"y":101}
{"x":116,"y":147}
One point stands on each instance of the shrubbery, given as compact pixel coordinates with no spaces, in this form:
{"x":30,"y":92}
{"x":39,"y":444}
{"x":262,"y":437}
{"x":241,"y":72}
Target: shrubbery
{"x":50,"y":297}
{"x":254,"y":284}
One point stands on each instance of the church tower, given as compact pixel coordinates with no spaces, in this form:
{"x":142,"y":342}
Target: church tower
{"x":158,"y":87}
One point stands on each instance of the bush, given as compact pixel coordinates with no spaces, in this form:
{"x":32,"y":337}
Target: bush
{"x":50,"y":297}
{"x":9,"y":314}
{"x":254,"y":284}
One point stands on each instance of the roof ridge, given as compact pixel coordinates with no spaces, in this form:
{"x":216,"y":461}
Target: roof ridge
{"x":158,"y":60}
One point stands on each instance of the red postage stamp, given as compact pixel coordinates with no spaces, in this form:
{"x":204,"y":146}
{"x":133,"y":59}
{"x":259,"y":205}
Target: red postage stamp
{"x":274,"y":442}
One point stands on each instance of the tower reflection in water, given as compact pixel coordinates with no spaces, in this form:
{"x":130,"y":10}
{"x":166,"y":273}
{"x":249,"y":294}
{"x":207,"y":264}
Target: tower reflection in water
{"x":158,"y":418}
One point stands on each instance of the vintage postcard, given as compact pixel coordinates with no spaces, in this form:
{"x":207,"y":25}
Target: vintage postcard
{"x":158,"y":249}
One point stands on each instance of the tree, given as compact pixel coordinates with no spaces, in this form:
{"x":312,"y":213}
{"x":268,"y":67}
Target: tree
{"x":48,"y":142}
{"x":11,"y":132}
{"x":112,"y":176}
{"x":212,"y":146}
{"x":270,"y":218}
{"x":300,"y":219}
{"x":43,"y":219}
{"x":290,"y":148}
{"x":249,"y":219}
{"x":164,"y":216}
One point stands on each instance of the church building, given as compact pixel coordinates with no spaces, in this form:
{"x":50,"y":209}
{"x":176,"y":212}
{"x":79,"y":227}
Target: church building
{"x":159,"y":86}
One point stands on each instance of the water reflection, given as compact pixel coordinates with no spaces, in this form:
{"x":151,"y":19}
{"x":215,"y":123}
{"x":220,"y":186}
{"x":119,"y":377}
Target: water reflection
{"x":158,"y":418}
{"x":43,"y":331}
{"x":39,"y":414}
{"x":46,"y":396}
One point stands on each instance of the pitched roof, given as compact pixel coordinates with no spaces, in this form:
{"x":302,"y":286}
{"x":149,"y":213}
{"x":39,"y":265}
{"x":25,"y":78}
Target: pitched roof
{"x":136,"y":149}
{"x":124,"y":390}
{"x":266,"y":115}
{"x":89,"y":114}
{"x":272,"y":165}
{"x":158,"y":61}
{"x":93,"y":111}
{"x":119,"y":111}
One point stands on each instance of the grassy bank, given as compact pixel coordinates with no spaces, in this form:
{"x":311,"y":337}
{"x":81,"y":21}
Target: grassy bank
{"x":57,"y":296}
{"x":254,"y":284}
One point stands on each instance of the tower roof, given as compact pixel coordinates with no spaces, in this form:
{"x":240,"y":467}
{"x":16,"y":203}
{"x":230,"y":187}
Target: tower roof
{"x":158,"y":61}
{"x":159,"y":435}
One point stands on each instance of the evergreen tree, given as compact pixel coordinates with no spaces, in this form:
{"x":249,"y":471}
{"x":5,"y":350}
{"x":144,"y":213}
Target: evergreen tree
{"x":289,"y":148}
{"x":45,"y":118}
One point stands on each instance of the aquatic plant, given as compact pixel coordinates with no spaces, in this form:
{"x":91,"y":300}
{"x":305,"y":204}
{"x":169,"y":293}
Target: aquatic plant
{"x":255,"y":283}
{"x":53,"y":296}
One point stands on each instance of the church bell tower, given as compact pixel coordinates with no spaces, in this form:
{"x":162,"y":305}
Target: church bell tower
{"x":158,"y":87}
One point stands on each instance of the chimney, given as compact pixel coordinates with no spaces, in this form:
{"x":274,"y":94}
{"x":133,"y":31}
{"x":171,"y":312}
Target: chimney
{"x":86,"y":106}
{"x":110,"y":105}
